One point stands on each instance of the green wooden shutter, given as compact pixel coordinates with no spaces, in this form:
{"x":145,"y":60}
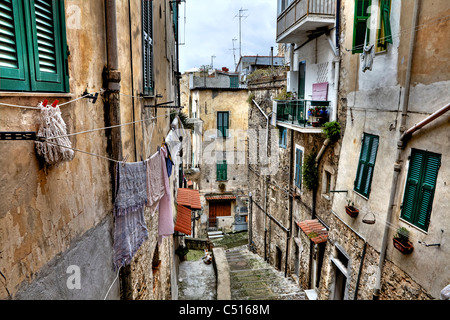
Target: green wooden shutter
{"x":360,"y":24}
{"x":223,"y":123}
{"x":48,"y":54}
{"x":366,"y":164}
{"x":385,"y":32}
{"x":298,"y":167}
{"x":14,"y":73}
{"x":222,"y":170}
{"x":147,"y":46}
{"x":420,"y":187}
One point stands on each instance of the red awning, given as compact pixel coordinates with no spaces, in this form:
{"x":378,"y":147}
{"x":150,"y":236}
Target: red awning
{"x":314,"y":230}
{"x":189,"y":198}
{"x":183,"y":223}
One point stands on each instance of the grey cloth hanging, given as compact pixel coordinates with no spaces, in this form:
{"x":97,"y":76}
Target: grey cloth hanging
{"x":367,"y":57}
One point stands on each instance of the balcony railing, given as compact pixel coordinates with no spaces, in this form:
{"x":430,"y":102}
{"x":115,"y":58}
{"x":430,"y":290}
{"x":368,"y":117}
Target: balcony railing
{"x":303,"y":113}
{"x":301,"y":9}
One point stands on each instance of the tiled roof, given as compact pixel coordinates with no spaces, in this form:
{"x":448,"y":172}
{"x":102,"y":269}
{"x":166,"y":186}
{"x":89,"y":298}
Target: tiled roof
{"x":314,"y":230}
{"x":189,"y":198}
{"x":220,"y":197}
{"x":183,"y":223}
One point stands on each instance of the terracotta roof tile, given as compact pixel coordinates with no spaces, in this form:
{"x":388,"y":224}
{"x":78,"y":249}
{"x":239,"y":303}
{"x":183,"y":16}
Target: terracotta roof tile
{"x":309,"y":226}
{"x":220,"y":197}
{"x":189,"y":198}
{"x":183,"y":223}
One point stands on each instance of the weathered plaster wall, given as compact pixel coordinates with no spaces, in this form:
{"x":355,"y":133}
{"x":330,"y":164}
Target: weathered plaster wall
{"x":55,"y":217}
{"x":372,"y":102}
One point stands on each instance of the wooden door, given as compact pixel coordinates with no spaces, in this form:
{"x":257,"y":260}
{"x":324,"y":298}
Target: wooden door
{"x":218,"y":209}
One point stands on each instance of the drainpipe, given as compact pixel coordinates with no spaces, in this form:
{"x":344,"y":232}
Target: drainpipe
{"x":409,"y":66}
{"x":289,"y":232}
{"x":400,"y":147}
{"x":111,"y":77}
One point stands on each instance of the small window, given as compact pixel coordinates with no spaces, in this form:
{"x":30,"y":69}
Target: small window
{"x":298,"y":167}
{"x":282,"y":137}
{"x":384,"y":32}
{"x":223,"y":123}
{"x":33,"y":49}
{"x":420,"y":187}
{"x":366,"y":164}
{"x":221,"y":170}
{"x":360,"y":28}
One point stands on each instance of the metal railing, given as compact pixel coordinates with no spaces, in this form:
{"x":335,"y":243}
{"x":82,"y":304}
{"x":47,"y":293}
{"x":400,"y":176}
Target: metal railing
{"x":302,"y":8}
{"x":303,"y":113}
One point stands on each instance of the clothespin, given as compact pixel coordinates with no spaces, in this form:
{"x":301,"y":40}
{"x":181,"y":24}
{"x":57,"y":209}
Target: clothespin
{"x":55,"y":103}
{"x":124,"y":160}
{"x":44,"y":103}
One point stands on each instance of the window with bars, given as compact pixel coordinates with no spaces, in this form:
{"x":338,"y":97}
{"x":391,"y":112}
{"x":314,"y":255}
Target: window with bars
{"x":221,"y":170}
{"x":33,"y":48}
{"x":223,"y":121}
{"x":366,"y":164}
{"x":360,"y":27}
{"x":147,"y":47}
{"x":420,"y":187}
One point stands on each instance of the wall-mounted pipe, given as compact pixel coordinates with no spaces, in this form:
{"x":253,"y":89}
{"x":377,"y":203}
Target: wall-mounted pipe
{"x":400,"y":147}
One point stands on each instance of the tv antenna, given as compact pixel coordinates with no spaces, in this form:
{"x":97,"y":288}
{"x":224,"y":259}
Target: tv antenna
{"x":240,"y":16}
{"x":234,"y":52}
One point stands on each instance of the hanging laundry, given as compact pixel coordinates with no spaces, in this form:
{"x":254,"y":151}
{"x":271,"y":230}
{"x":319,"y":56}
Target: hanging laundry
{"x":51,"y":124}
{"x":367,"y":57}
{"x":155,"y":181}
{"x":168,"y":160}
{"x":130,"y":229}
{"x":166,"y":226}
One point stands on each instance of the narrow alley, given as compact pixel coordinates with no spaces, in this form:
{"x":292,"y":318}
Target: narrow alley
{"x":254,"y":279}
{"x":251,"y":277}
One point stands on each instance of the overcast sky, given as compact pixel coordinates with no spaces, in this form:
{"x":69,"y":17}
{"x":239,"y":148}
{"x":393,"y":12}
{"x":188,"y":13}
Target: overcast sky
{"x":212,"y":24}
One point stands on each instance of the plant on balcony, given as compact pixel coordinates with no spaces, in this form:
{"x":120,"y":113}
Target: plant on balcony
{"x":401,"y":241}
{"x":319,"y":115}
{"x":351,"y":210}
{"x":332,"y":130}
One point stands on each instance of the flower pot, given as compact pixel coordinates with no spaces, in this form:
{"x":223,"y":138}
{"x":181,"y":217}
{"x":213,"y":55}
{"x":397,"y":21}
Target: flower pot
{"x":315,"y":124}
{"x":402,"y":247}
{"x":351,"y":211}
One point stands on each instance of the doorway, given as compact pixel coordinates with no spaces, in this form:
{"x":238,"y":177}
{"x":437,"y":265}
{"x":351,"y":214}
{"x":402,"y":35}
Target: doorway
{"x":218,"y":209}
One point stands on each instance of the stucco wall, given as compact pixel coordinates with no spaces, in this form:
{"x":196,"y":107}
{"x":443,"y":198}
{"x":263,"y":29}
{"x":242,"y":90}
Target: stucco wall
{"x":373,"y":103}
{"x":54,"y":217}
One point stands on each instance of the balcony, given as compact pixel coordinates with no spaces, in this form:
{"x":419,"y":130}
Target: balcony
{"x":302,"y":17}
{"x":302,"y":114}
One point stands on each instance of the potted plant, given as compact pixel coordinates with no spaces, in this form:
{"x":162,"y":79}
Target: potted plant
{"x":401,"y":241}
{"x":318,"y":115}
{"x":182,"y":251}
{"x":351,"y":210}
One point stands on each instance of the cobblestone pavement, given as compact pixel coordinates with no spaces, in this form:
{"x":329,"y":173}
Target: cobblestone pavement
{"x":254,"y":279}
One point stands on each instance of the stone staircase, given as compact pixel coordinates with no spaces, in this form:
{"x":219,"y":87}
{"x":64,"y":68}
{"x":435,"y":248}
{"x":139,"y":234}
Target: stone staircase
{"x":214,"y":235}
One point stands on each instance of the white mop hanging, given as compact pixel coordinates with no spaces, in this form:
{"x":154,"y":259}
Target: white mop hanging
{"x":52,"y":125}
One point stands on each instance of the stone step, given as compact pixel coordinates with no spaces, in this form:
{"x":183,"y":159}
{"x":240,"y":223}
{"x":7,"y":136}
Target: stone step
{"x":216,"y":237}
{"x":215,"y":233}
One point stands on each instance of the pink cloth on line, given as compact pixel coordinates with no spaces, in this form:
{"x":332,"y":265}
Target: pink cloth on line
{"x":166,"y":226}
{"x":155,"y":182}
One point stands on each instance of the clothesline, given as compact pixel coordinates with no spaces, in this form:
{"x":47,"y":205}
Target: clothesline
{"x":111,"y":127}
{"x":70,"y":101}
{"x":90,"y":153}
